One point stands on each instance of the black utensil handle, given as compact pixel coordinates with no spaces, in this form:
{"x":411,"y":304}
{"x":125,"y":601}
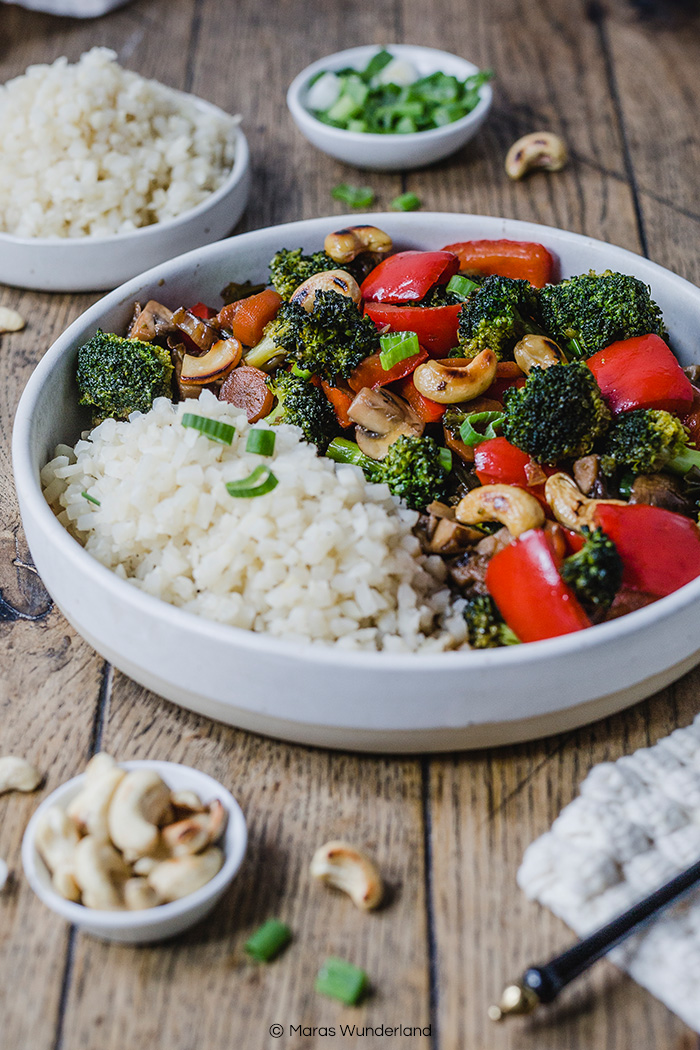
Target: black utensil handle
{"x":548,"y":980}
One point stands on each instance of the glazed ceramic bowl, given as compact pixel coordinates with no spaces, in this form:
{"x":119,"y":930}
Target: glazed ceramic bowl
{"x":151,"y":924}
{"x":388,"y":152}
{"x":360,"y":700}
{"x":84,"y":264}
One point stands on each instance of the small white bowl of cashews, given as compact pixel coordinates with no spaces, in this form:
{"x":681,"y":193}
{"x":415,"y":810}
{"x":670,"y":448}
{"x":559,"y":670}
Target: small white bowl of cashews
{"x":134,"y":851}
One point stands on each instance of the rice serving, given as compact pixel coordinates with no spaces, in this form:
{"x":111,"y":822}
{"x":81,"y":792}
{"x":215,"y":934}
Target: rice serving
{"x":325,"y":557}
{"x":92,"y":149}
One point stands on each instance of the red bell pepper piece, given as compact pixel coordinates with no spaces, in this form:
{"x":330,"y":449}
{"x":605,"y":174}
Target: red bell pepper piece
{"x":370,"y":372}
{"x":408,"y":276}
{"x":425,"y":408}
{"x":341,"y":400}
{"x":641,"y":373}
{"x":435,"y":326}
{"x":204,"y":312}
{"x":497,"y":462}
{"x":524,"y":259}
{"x":660,"y":550}
{"x":247,"y":317}
{"x":525,"y":584}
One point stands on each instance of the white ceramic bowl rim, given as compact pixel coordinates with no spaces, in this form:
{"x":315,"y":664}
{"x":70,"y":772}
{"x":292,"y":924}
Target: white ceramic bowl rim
{"x":237,"y":173}
{"x":79,"y":914}
{"x":476,"y":660}
{"x":348,"y":57}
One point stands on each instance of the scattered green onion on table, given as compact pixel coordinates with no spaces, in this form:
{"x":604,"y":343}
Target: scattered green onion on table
{"x":268,"y":940}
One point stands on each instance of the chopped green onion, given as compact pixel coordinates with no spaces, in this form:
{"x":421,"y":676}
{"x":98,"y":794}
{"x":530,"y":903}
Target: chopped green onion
{"x":90,"y":499}
{"x":268,"y":941}
{"x":445,"y":456}
{"x":261,"y":442}
{"x":211,"y":428}
{"x":339,"y":979}
{"x":355,"y":196}
{"x":461,"y":286}
{"x":406,"y":202}
{"x":261,"y":481}
{"x":397,"y":346}
{"x":471,"y":436}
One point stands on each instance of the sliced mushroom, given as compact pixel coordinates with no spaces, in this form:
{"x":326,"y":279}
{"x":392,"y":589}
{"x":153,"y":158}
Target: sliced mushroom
{"x":215,"y":364}
{"x":382,"y":417}
{"x":329,"y":281}
{"x":537,"y":351}
{"x":151,"y":322}
{"x":662,"y":490}
{"x":202,"y":334}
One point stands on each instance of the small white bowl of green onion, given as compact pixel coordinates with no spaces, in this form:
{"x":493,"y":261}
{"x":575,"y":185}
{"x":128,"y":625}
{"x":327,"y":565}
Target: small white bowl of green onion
{"x":390,"y":109}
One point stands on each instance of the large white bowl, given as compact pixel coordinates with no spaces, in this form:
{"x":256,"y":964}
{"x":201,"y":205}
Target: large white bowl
{"x":151,"y":924}
{"x":364,"y":701}
{"x":388,"y":152}
{"x":85,"y":264}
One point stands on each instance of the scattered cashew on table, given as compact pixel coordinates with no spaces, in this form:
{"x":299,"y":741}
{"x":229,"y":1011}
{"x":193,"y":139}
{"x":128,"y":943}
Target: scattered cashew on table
{"x":16,"y":774}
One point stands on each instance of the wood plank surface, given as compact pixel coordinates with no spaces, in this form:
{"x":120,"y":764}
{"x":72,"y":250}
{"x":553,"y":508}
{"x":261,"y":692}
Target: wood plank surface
{"x":448,"y":832}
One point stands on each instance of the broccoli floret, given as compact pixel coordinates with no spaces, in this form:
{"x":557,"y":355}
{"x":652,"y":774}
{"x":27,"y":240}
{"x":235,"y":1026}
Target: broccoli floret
{"x":412,"y":468}
{"x":328,"y":342}
{"x":558,"y":414}
{"x":486,"y":628}
{"x":117,"y":376}
{"x":644,"y":442}
{"x":289,"y":268}
{"x":498,"y":314}
{"x":303,"y":405}
{"x":594,"y":572}
{"x":589,"y":312}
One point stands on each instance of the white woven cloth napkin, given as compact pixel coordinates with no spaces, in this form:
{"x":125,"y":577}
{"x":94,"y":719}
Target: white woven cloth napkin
{"x":634,"y":826}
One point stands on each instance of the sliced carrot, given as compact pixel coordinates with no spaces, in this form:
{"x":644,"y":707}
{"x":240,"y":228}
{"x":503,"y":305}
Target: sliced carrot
{"x":247,"y":317}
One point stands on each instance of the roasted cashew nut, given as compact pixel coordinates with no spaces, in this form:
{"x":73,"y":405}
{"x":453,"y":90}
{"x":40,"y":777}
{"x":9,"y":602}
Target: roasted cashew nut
{"x":89,"y":808}
{"x":456,"y":379}
{"x":196,"y":832}
{"x":345,"y":245}
{"x":515,"y":508}
{"x":175,"y":878}
{"x":56,"y":839}
{"x":537,"y":351}
{"x":343,"y":866}
{"x":101,"y":873}
{"x":541,"y":150}
{"x":139,"y":894}
{"x":330,"y":281}
{"x":16,"y":774}
{"x":140,"y":803}
{"x":569,"y":505}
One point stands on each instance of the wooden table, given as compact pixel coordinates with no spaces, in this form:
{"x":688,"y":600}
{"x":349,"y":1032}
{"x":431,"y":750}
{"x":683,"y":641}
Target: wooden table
{"x":620,"y":82}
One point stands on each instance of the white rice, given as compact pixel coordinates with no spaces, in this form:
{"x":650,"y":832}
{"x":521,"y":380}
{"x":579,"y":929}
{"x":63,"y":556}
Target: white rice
{"x":92,"y":149}
{"x":325,"y":557}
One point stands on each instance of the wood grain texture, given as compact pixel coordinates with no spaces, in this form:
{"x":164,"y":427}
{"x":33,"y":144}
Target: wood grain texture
{"x":449,"y":832}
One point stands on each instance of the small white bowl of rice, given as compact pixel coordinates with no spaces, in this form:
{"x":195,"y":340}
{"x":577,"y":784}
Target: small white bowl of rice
{"x":305,"y":612}
{"x":105,"y":174}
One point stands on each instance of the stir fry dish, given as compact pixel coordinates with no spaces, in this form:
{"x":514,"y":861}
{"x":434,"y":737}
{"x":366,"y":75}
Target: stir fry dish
{"x":543,"y":430}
